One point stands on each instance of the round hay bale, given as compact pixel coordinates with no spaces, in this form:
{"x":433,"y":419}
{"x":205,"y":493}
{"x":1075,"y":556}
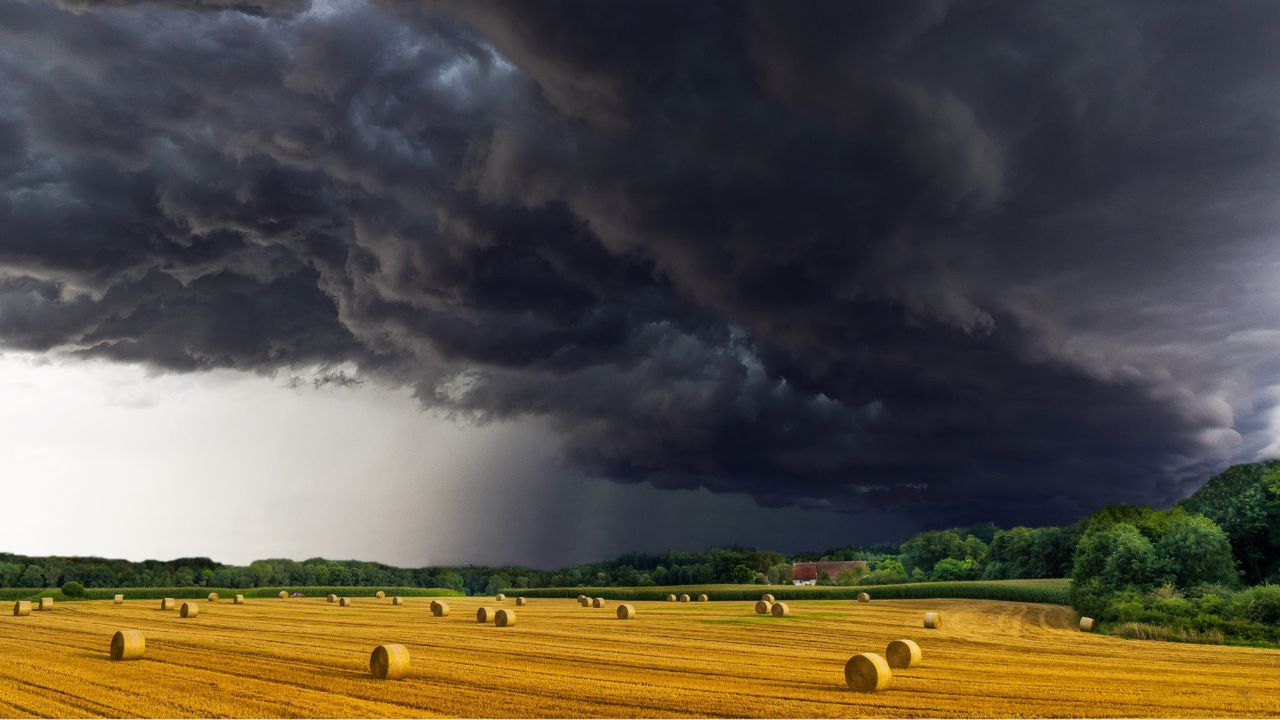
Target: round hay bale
{"x":118,"y":600}
{"x":499,"y":597}
{"x":598,"y":603}
{"x":769,"y":598}
{"x":863,"y":597}
{"x":128,"y":645}
{"x":331,"y":598}
{"x":189,"y":610}
{"x":389,"y":662}
{"x":580,"y":597}
{"x":780,"y":609}
{"x":902,"y":654}
{"x":521,"y":601}
{"x":46,"y":604}
{"x":703,"y":598}
{"x":867,"y":672}
{"x":684,"y":598}
{"x":1086,"y":624}
{"x":237,"y":600}
{"x":484,"y":615}
{"x":933,"y":620}
{"x":379,"y":594}
{"x":168,"y":604}
{"x":439,"y":609}
{"x":213,"y":597}
{"x":395,"y":600}
{"x":505,"y":618}
{"x":671,"y":598}
{"x":22,"y":608}
{"x":284,"y":595}
{"x":344,"y":601}
{"x":763,"y":607}
{"x":584,"y":601}
{"x":626,"y":612}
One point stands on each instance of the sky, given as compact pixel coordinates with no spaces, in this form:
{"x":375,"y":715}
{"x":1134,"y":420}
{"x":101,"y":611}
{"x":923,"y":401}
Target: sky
{"x":543,"y":283}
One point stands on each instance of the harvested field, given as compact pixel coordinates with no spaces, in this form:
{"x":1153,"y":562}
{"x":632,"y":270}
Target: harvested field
{"x":310,"y":658}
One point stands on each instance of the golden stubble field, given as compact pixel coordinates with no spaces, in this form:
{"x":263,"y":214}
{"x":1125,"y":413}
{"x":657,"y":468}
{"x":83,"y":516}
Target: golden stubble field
{"x":305,"y":657}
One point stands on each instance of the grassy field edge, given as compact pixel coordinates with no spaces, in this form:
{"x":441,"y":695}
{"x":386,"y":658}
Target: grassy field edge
{"x":1052,"y":591}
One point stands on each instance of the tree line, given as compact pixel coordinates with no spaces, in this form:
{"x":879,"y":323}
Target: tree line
{"x":1209,"y":565}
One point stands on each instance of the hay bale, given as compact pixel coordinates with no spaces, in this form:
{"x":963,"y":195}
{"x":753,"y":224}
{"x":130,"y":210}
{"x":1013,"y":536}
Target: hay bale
{"x":118,"y":600}
{"x":580,"y":597}
{"x":626,"y":612}
{"x":902,"y":654}
{"x":237,"y":600}
{"x":484,"y":615}
{"x":933,"y":620}
{"x":22,"y":608}
{"x":331,"y":598}
{"x":344,"y":601}
{"x":389,"y":662}
{"x":684,"y":598}
{"x":128,"y":645}
{"x":168,"y":604}
{"x":439,"y":609}
{"x":763,"y":607}
{"x":213,"y":597}
{"x":284,"y":595}
{"x":499,"y":597}
{"x":867,"y":672}
{"x":46,"y":604}
{"x":396,"y":600}
{"x":863,"y":597}
{"x":584,"y":601}
{"x":780,"y":609}
{"x":505,"y":618}
{"x":671,"y":598}
{"x":521,"y":601}
{"x":379,"y":594}
{"x":1086,"y":624}
{"x":703,"y":598}
{"x":598,"y":603}
{"x":769,"y":598}
{"x":189,"y":610}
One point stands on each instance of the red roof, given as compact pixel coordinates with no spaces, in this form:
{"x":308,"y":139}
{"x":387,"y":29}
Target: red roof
{"x":833,"y":568}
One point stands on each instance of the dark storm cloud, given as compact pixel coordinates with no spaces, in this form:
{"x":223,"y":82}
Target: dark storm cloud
{"x":959,"y":260}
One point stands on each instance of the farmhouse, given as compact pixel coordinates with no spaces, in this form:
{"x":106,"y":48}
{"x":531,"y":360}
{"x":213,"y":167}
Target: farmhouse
{"x":808,"y":573}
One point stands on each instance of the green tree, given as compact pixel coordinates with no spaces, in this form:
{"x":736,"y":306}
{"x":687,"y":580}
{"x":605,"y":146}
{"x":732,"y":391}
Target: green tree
{"x":742,"y":574}
{"x":72,"y":589}
{"x":925,"y":549}
{"x":952,"y":569}
{"x":1132,"y":561}
{"x":32,"y":576}
{"x":1244,"y":501}
{"x":1195,"y":551}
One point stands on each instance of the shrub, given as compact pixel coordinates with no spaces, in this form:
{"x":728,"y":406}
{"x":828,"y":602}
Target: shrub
{"x":952,"y":569}
{"x":72,"y":589}
{"x":1147,"y":631}
{"x":1260,"y":604}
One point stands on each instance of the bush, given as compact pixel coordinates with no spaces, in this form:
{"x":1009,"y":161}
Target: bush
{"x":72,"y":589}
{"x":952,"y":569}
{"x":1147,"y":631}
{"x":1259,"y":604}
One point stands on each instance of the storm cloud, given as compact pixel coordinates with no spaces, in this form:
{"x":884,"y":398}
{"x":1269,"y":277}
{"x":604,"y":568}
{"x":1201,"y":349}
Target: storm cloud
{"x":955,"y":260}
